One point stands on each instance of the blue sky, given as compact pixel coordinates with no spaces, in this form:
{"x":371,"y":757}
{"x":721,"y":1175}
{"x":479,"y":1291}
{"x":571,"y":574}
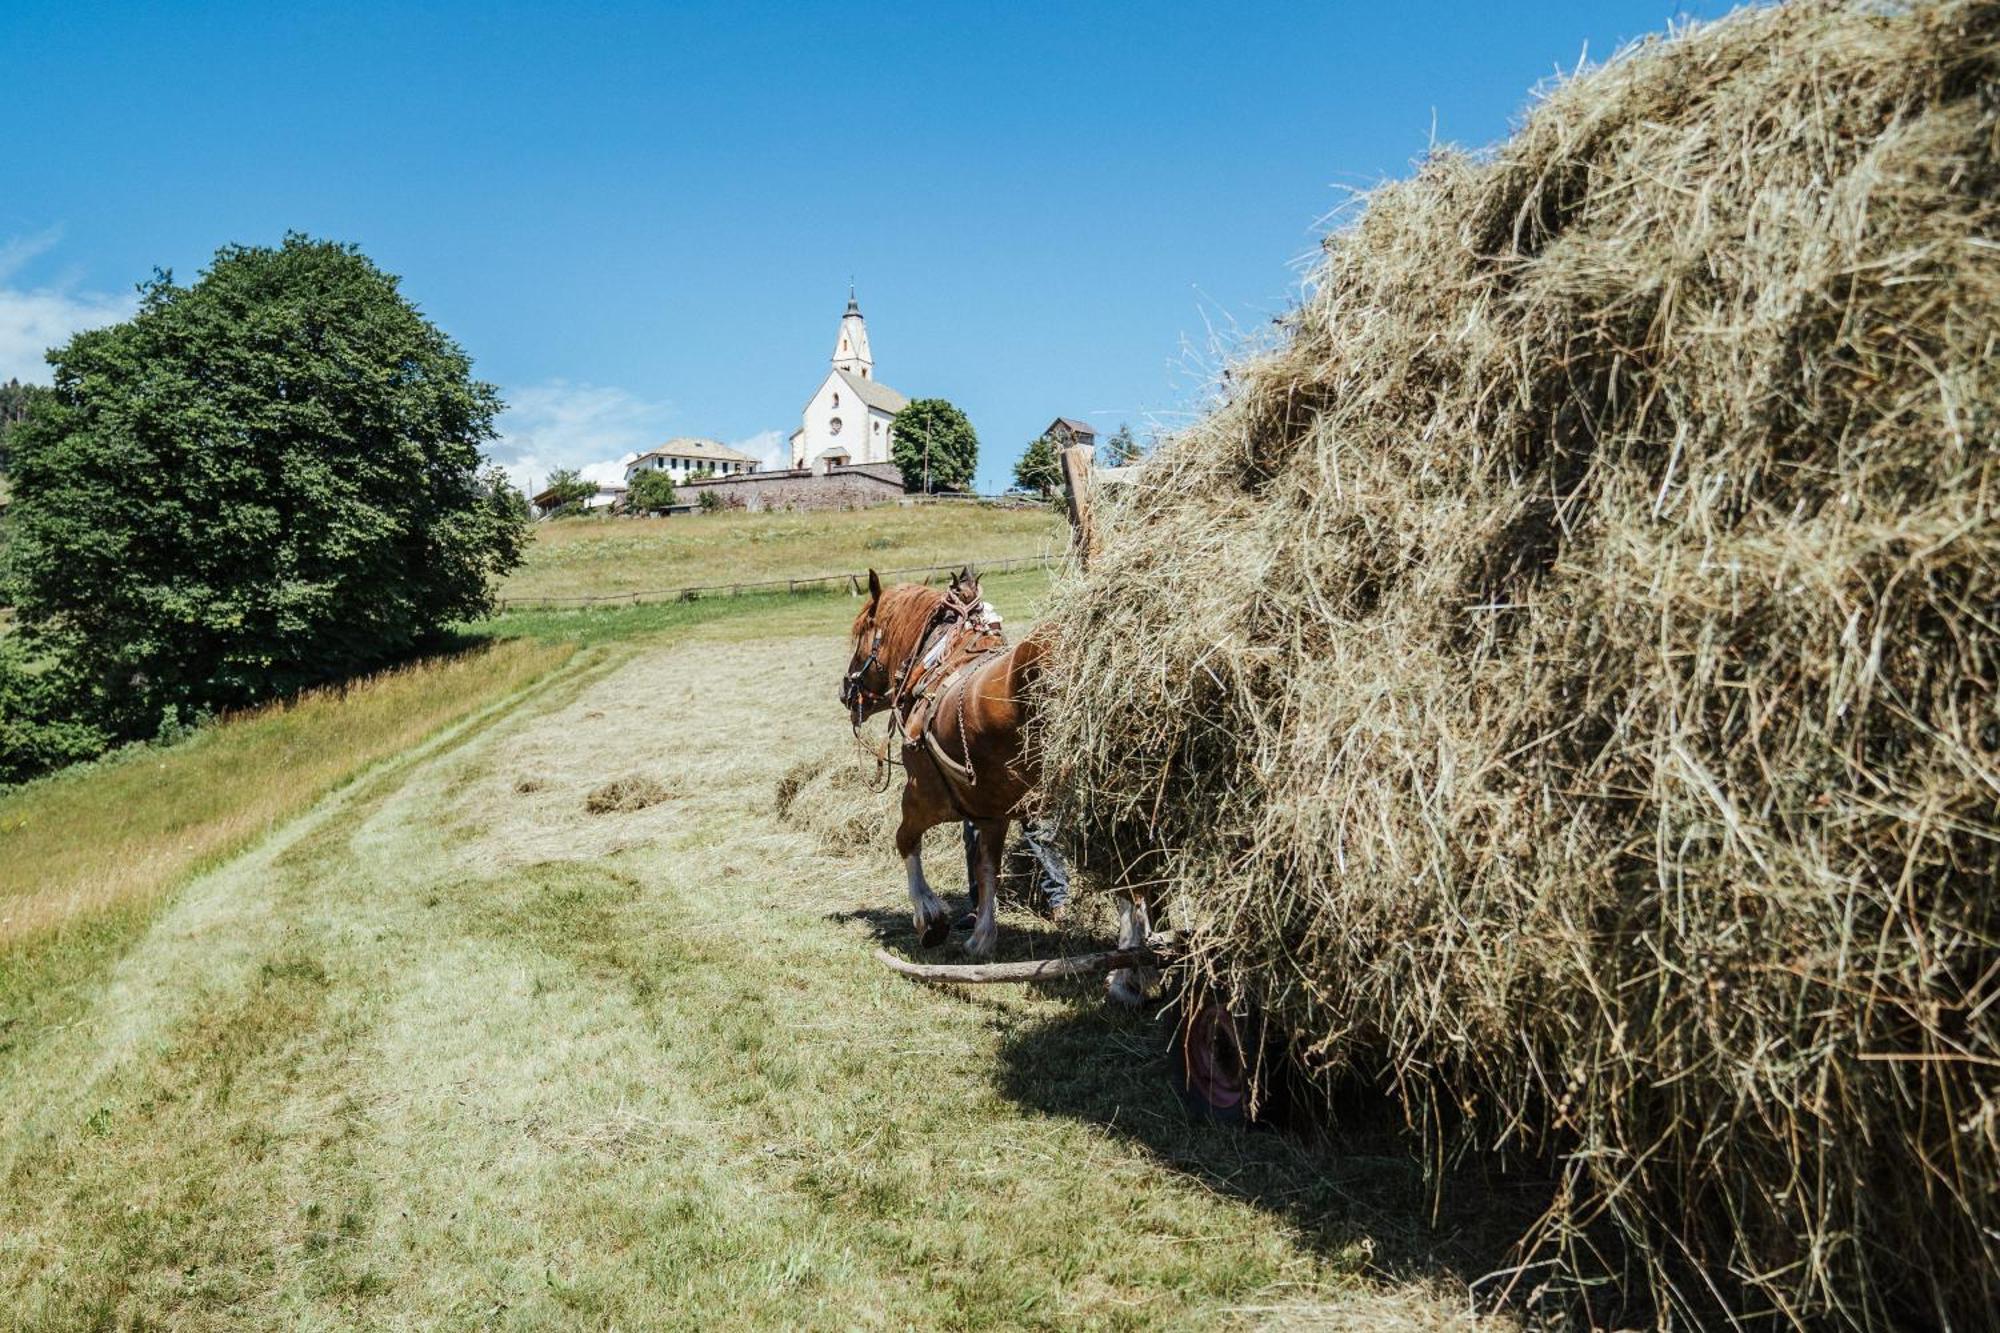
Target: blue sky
{"x":640,"y":220}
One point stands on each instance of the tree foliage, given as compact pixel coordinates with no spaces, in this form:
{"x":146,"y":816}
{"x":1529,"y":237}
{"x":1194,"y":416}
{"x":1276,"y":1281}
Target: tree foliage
{"x":39,"y":726}
{"x":504,"y":498}
{"x":566,"y":493}
{"x":1038,"y":469}
{"x":262,"y":481}
{"x":652,"y":491}
{"x":953,"y":447}
{"x":16,"y":401}
{"x":1120,"y":449}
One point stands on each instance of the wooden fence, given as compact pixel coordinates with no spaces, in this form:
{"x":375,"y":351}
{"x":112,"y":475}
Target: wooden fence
{"x":853,"y":583}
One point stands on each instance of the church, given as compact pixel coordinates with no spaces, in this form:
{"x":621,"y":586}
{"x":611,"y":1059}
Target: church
{"x":851,"y":417}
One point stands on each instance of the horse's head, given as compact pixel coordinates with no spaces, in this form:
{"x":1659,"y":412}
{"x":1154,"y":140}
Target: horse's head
{"x":864,"y":690}
{"x":965,"y":590}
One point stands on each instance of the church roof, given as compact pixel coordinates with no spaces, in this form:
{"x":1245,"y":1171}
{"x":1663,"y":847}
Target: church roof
{"x":874,"y":393}
{"x":689,"y":446}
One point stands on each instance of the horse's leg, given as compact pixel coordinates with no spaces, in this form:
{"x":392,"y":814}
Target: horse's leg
{"x":931,"y":919}
{"x":992,"y":841}
{"x":1128,"y":985}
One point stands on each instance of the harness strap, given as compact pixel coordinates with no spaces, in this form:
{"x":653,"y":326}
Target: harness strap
{"x":926,"y":714}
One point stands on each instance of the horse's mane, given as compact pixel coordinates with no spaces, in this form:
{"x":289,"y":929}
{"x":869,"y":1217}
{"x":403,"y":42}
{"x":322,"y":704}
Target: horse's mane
{"x":902,"y":611}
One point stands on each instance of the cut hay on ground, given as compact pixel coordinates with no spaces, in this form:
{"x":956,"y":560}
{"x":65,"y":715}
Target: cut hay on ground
{"x":832,"y":795}
{"x":622,"y":796}
{"x":1560,"y":682}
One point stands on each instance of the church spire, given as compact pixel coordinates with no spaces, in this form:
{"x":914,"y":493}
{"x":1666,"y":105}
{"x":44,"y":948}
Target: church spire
{"x":850,"y":349}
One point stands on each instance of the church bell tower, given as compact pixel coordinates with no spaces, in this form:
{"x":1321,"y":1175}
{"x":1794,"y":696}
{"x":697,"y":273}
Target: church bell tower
{"x":850,"y":351}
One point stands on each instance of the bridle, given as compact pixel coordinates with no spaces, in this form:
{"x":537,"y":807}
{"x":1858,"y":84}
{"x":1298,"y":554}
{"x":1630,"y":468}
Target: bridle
{"x":908,"y":685}
{"x":856,"y":697}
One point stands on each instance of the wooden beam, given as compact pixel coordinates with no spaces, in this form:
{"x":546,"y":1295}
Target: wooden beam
{"x":1157,"y":951}
{"x":1076,"y":484}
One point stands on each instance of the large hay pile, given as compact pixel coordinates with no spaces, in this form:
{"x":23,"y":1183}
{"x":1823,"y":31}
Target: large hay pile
{"x":1561,"y":679}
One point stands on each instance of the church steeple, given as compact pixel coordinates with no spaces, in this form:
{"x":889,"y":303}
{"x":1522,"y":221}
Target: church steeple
{"x":850,"y":350}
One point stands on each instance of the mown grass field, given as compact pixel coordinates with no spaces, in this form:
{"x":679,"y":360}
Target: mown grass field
{"x":446,"y":1050}
{"x":118,"y":832}
{"x":606,"y":557}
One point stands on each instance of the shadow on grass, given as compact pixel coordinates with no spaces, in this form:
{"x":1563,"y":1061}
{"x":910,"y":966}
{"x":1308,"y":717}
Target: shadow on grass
{"x":1343,"y":1172}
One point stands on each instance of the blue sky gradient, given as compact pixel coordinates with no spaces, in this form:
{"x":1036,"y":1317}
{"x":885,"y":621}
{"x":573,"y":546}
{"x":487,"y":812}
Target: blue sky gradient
{"x":640,"y":220}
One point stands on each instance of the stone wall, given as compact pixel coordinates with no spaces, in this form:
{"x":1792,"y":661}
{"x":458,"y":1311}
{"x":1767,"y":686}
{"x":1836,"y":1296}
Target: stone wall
{"x":802,"y":489}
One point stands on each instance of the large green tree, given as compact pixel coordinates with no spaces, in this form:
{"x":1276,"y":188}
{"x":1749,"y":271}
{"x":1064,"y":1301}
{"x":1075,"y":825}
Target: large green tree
{"x":931,"y":428}
{"x":1037,"y":468}
{"x":264,"y":480}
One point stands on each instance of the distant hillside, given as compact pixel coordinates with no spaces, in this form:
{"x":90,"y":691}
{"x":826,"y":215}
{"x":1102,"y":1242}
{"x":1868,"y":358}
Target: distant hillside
{"x":598,"y":556}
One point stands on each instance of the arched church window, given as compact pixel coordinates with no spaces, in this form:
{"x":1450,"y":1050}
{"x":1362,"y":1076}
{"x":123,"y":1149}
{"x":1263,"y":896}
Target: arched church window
{"x":836,"y":400}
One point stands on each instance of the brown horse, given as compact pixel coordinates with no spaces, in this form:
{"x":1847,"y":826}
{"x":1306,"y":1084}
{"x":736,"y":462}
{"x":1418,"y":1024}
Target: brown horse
{"x":957,"y":698}
{"x":959,"y":703}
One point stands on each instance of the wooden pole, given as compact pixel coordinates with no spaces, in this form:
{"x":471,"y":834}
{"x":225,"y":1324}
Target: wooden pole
{"x":1157,"y":951}
{"x":1076,"y":485}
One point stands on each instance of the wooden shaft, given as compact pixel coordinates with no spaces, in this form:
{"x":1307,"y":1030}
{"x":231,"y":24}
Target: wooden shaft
{"x":1157,"y":951}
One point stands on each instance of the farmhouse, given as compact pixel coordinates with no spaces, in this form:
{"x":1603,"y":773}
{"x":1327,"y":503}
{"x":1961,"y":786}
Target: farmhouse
{"x":851,"y":417}
{"x":1068,"y":432}
{"x":688,"y":456}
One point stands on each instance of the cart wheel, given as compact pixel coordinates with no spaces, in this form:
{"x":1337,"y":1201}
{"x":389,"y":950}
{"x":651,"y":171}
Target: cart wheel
{"x":1206,"y":1062}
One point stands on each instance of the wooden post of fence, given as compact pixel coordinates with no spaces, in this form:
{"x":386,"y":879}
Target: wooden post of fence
{"x":1076,"y":485}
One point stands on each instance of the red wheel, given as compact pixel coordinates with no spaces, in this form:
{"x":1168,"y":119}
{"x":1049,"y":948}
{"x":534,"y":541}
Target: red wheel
{"x":1208,"y":1065}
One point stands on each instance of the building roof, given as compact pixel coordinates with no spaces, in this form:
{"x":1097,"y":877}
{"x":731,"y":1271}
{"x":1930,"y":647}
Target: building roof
{"x":689,"y":446}
{"x":1072,"y":426}
{"x":874,"y":393}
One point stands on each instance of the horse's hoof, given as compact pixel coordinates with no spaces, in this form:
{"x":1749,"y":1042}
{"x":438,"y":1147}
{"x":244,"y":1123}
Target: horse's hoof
{"x":935,"y":931}
{"x":1123,"y":990}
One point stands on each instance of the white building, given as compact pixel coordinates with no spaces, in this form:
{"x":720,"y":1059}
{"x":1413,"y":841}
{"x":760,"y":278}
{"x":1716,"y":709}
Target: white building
{"x":688,"y":456}
{"x":851,"y":417}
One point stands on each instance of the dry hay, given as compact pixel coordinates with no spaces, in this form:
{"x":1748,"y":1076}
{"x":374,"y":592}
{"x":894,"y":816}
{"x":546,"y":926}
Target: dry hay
{"x":831,"y":796}
{"x":634,"y":791}
{"x":1559,"y":681}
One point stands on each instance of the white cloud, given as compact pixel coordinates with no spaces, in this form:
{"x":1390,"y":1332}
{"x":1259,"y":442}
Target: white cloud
{"x":595,"y":428}
{"x":774,"y":447}
{"x":34,"y":319}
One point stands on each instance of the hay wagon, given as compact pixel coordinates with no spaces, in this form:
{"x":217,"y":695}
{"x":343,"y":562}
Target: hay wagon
{"x":1213,"y":1061}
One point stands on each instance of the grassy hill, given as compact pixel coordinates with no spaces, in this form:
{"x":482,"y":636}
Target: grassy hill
{"x":446,"y":1048}
{"x":599,"y":557}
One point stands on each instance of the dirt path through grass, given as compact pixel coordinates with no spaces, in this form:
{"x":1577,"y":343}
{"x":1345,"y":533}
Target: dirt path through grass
{"x":452,"y":1052}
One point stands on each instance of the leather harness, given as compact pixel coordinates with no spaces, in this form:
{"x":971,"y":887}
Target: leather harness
{"x":916,"y":692}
